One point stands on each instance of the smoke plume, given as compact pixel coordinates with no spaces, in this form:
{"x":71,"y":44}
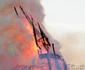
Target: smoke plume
{"x":16,"y":42}
{"x":73,"y":47}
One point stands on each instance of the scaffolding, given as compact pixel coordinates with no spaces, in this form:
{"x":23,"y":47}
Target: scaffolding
{"x":48,"y":60}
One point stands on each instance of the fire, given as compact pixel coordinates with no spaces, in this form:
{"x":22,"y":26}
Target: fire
{"x":30,"y":46}
{"x":28,"y":26}
{"x":18,"y":41}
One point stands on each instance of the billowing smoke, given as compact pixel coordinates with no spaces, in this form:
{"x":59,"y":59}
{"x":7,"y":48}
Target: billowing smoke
{"x":16,"y":42}
{"x":33,"y":7}
{"x":73,"y":47}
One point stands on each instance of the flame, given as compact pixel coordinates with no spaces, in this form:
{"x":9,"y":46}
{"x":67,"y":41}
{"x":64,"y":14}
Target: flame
{"x":31,"y":47}
{"x":26,"y":47}
{"x":21,"y":43}
{"x":16,"y":43}
{"x":28,"y":26}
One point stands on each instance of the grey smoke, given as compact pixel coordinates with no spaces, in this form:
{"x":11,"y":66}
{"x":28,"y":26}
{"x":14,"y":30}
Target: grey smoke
{"x":8,"y":19}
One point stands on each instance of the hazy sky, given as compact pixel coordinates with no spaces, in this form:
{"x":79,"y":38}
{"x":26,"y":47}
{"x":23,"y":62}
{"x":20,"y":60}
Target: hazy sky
{"x":65,"y":21}
{"x":65,"y":15}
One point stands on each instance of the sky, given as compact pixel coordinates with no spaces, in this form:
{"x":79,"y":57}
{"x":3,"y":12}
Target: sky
{"x":65,"y":14}
{"x":65,"y":21}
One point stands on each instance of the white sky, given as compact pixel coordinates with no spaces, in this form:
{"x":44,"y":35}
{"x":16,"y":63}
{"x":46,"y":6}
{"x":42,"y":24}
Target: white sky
{"x":64,"y":15}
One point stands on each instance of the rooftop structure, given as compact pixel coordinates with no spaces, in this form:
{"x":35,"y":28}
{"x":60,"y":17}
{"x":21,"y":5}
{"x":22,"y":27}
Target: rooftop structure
{"x":49,"y":60}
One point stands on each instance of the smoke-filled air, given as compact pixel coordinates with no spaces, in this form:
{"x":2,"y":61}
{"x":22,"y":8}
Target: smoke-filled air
{"x":17,"y":44}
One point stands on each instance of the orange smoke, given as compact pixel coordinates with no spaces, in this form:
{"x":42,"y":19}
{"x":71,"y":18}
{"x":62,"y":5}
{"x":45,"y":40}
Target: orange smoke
{"x":16,"y":37}
{"x":19,"y":42}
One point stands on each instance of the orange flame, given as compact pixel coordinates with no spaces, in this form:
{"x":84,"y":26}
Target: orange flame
{"x":28,"y":26}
